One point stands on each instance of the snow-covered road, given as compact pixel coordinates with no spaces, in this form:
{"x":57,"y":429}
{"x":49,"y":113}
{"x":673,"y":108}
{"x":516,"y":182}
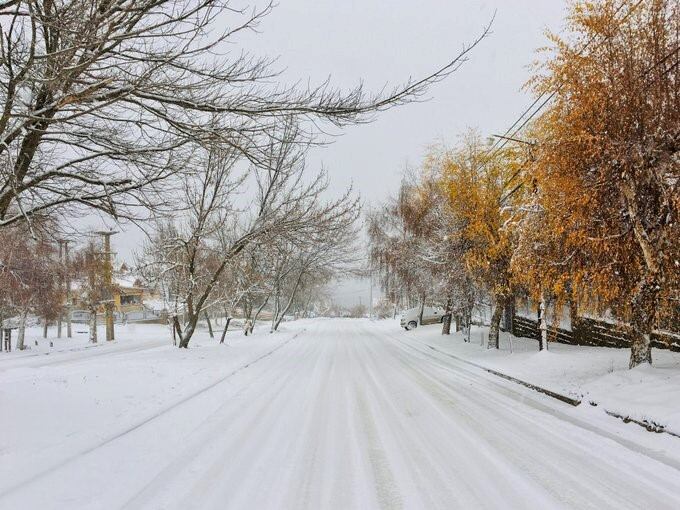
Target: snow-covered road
{"x":352,"y":414}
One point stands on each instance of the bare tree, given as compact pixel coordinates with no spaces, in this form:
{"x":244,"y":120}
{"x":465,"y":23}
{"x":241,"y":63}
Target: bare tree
{"x":234,"y":285}
{"x":89,"y":267}
{"x":401,"y":249}
{"x":100,"y":100}
{"x":257,"y":274}
{"x":286,"y":206}
{"x":326,"y":250}
{"x":29,"y":277}
{"x":180,"y":258}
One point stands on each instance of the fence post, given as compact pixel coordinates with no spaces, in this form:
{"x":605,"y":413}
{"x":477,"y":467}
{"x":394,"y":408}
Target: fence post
{"x":7,"y":339}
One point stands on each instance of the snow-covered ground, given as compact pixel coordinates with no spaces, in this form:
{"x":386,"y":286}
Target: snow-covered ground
{"x":324,"y":414}
{"x":591,"y":374}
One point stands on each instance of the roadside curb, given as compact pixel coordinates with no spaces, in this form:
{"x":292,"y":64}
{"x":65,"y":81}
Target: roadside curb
{"x":649,"y":426}
{"x":558,"y":396}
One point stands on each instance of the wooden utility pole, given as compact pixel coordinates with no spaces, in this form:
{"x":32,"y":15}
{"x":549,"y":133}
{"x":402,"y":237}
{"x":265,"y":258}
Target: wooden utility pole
{"x":370,"y":296}
{"x":61,"y":285}
{"x":69,"y":307}
{"x":108,"y":282}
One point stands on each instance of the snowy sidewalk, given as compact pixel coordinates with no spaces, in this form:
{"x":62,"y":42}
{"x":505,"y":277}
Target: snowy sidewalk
{"x":597,"y":375}
{"x":60,"y":401}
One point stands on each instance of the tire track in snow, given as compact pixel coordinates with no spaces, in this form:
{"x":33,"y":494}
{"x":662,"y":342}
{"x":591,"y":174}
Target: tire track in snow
{"x":386,"y":488}
{"x":309,"y":459}
{"x":86,"y":354}
{"x":464,"y":413}
{"x":435,"y":466}
{"x":242,"y":443}
{"x":45,"y":472}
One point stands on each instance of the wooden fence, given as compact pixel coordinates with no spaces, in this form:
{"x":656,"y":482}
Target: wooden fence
{"x":588,"y":331}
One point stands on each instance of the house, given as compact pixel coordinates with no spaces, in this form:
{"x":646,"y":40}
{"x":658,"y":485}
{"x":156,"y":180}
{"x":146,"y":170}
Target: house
{"x":132,"y":301}
{"x":128,"y":294}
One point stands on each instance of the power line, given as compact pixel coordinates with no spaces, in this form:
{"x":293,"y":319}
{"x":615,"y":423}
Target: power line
{"x":507,"y":137}
{"x":580,"y":53}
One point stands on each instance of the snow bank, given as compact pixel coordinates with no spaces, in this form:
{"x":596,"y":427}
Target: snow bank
{"x":105,"y":387}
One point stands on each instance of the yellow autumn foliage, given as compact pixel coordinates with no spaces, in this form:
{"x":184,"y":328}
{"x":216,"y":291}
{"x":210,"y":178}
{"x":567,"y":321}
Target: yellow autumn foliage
{"x":481,"y":187}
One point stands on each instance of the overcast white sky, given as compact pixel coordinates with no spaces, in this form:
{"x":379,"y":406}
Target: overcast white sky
{"x":383,"y":42}
{"x":386,"y":42}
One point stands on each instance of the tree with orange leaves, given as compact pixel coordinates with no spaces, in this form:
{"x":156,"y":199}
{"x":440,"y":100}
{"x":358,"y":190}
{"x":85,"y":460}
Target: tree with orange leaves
{"x":607,"y":167}
{"x":481,"y":190}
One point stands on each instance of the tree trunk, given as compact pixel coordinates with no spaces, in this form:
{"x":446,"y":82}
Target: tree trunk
{"x":69,"y":329}
{"x":59,"y":321}
{"x":466,"y":321}
{"x":69,"y":304}
{"x":422,"y":309}
{"x":274,"y":320}
{"x":93,"y":325}
{"x":108,"y":320}
{"x":494,"y":329}
{"x":446,"y":324}
{"x":188,"y":331}
{"x":644,"y":306}
{"x":573,"y":315}
{"x":257,"y":314}
{"x":469,"y":308}
{"x":282,"y":314}
{"x":543,"y":324}
{"x":290,"y":302}
{"x":45,"y":327}
{"x":646,"y":297}
{"x":21,"y":334}
{"x":275,"y":314}
{"x":210,"y":329}
{"x":176,"y":329}
{"x":640,"y":346}
{"x":224,"y":331}
{"x":510,"y":315}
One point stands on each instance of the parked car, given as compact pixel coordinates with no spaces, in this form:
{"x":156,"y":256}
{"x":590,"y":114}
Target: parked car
{"x":431,"y":315}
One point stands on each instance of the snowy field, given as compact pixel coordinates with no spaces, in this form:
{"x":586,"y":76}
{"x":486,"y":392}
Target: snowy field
{"x":328,"y":414}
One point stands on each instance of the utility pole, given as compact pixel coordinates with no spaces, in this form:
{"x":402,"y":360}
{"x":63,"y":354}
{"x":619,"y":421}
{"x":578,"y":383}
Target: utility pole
{"x":370,"y":294}
{"x":61,"y":285}
{"x":69,"y":307}
{"x":108,"y":282}
{"x":64,"y":284}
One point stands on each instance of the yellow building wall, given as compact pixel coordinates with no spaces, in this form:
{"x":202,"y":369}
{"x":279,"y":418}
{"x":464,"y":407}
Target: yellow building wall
{"x":131,"y":307}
